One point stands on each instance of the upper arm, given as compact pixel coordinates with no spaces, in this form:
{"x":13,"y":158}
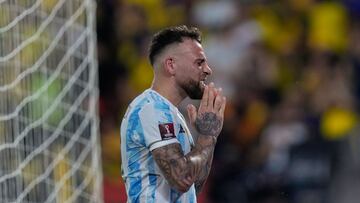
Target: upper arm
{"x":159,"y":133}
{"x":158,"y":126}
{"x":174,"y":166}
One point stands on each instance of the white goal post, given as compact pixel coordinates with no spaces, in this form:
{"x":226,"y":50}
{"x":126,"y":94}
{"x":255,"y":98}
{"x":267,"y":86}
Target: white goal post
{"x":49,"y":135}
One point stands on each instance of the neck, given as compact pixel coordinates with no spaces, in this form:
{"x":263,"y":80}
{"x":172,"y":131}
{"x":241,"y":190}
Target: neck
{"x":169,"y":90}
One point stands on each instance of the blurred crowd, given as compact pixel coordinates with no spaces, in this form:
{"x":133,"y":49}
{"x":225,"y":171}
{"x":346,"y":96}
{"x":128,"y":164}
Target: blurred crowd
{"x":289,"y":69}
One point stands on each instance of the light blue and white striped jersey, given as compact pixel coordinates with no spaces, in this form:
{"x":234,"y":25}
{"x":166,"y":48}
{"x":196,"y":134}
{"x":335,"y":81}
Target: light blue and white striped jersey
{"x":150,"y":122}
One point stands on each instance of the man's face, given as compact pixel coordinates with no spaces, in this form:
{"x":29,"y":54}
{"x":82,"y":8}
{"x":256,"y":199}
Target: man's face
{"x":192,"y":68}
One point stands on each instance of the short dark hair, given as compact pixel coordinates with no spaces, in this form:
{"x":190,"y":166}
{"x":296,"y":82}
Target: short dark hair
{"x":169,"y":36}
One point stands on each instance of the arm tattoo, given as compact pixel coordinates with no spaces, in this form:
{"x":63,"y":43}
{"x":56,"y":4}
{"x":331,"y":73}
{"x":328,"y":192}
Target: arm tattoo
{"x":173,"y":165}
{"x":204,"y":173}
{"x":207,"y":155}
{"x":208,"y":124}
{"x":180,"y":170}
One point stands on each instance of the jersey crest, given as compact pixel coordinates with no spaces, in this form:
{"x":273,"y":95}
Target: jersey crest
{"x":167,"y":131}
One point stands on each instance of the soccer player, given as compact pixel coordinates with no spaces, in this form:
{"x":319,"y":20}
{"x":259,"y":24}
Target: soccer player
{"x":161,"y":162}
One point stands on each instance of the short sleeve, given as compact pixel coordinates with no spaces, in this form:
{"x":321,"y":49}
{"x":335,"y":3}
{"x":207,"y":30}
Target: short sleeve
{"x":158,"y":126}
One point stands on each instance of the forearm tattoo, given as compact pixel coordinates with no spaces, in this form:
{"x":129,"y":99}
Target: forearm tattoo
{"x":204,"y":173}
{"x":208,"y":124}
{"x":178,"y":168}
{"x":173,"y":165}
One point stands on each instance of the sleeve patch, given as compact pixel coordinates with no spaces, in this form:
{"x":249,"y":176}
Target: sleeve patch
{"x":167,"y":131}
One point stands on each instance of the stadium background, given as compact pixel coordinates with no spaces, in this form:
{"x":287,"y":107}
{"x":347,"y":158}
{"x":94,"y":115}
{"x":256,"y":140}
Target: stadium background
{"x":290,"y":70}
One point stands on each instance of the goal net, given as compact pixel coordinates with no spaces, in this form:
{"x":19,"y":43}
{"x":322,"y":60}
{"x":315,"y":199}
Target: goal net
{"x":49,"y":144}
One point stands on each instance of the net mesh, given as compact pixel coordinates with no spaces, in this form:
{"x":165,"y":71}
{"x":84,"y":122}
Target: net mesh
{"x":49,"y":144}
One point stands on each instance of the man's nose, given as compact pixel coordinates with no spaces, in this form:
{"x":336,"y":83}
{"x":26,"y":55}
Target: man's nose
{"x":207,"y":69}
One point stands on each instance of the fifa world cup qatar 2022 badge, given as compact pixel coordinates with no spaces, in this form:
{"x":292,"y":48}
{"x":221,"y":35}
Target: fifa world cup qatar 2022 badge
{"x":167,"y":131}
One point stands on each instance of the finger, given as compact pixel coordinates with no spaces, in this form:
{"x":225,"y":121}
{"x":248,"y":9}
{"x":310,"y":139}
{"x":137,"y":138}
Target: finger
{"x":204,"y":100}
{"x":188,"y":180}
{"x":216,"y":91}
{"x":182,"y":183}
{"x":218,"y":100}
{"x":191,"y":109}
{"x":222,"y":107}
{"x":211,"y":96}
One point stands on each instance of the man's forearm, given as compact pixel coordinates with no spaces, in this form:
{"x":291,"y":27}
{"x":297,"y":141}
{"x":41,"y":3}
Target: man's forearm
{"x":201,"y":158}
{"x":181,"y":171}
{"x":209,"y":126}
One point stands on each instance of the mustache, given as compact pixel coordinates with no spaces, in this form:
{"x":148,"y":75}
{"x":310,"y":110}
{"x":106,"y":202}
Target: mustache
{"x":204,"y":77}
{"x":193,"y":89}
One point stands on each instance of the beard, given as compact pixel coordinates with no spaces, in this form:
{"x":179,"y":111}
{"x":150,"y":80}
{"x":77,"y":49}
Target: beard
{"x":193,"y":89}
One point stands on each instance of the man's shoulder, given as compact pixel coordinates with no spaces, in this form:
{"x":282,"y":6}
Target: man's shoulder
{"x":150,"y":99}
{"x":149,"y":104}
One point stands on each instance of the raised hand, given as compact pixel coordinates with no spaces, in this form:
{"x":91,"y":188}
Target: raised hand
{"x":208,"y":120}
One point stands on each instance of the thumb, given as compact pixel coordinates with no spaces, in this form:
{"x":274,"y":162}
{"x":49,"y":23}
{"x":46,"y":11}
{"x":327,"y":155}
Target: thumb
{"x":191,"y":109}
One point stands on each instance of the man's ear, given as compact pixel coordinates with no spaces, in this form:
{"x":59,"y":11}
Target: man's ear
{"x":170,"y":66}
